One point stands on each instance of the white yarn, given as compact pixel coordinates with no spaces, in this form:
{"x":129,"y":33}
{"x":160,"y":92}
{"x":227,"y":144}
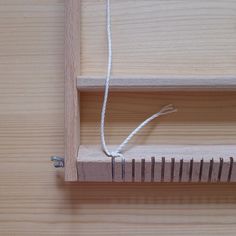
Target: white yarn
{"x":165,"y":110}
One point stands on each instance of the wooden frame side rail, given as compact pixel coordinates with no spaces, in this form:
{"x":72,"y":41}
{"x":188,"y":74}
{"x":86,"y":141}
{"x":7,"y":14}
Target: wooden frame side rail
{"x":72,"y":65}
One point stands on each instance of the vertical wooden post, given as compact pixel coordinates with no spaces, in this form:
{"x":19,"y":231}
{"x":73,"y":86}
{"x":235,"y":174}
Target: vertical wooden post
{"x":72,"y":66}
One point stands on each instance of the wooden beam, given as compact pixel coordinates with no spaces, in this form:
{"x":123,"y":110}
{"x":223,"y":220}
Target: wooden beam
{"x":72,"y":64}
{"x":86,"y":83}
{"x":159,"y":163}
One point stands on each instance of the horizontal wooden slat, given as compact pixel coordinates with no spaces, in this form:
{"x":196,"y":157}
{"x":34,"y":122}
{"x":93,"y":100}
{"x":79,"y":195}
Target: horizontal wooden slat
{"x":94,"y":152}
{"x":159,"y":163}
{"x":127,"y":83}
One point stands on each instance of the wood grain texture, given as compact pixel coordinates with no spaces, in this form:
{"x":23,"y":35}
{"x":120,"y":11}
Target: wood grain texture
{"x":202,"y":21}
{"x":139,"y":165}
{"x":157,"y":37}
{"x":34,"y":199}
{"x":72,"y":68}
{"x":95,"y":153}
{"x":202,"y":118}
{"x":164,"y":83}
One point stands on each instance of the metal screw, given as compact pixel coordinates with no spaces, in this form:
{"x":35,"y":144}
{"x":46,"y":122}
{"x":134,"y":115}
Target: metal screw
{"x":58,"y":161}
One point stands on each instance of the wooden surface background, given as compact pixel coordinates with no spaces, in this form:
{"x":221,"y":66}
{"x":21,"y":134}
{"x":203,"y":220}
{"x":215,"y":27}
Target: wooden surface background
{"x":173,"y":38}
{"x":34,"y":200}
{"x":154,"y":37}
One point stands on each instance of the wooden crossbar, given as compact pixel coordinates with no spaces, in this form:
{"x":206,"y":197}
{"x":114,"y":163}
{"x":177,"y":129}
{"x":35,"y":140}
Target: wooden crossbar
{"x":151,"y":83}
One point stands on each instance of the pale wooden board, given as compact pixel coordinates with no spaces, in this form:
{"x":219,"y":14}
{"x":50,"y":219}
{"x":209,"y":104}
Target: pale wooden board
{"x":155,"y":37}
{"x":163,"y":83}
{"x":92,"y":153}
{"x":72,"y":98}
{"x":34,"y":200}
{"x":202,"y":118}
{"x":173,"y":163}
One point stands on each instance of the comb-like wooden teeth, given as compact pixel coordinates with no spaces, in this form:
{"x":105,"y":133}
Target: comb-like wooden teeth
{"x":181,"y":170}
{"x":210,"y":170}
{"x":190,"y":170}
{"x":152,"y":168}
{"x":220,"y":169}
{"x":142,"y":170}
{"x":230,"y":169}
{"x":113,"y":168}
{"x":133,"y":170}
{"x":123,"y":170}
{"x":172,"y":169}
{"x":201,"y":169}
{"x":161,"y":170}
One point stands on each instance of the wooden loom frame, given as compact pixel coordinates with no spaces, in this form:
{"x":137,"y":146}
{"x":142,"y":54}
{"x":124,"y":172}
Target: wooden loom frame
{"x":91,"y":164}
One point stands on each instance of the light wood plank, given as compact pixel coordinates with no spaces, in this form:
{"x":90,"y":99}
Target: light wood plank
{"x":126,"y":83}
{"x":72,"y":65}
{"x":94,"y":152}
{"x":156,"y":37}
{"x":202,"y":118}
{"x":173,"y":163}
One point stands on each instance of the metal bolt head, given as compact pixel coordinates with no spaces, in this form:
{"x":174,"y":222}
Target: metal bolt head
{"x":58,"y":161}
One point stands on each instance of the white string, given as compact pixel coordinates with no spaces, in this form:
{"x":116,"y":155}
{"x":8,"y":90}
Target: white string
{"x":165,"y":110}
